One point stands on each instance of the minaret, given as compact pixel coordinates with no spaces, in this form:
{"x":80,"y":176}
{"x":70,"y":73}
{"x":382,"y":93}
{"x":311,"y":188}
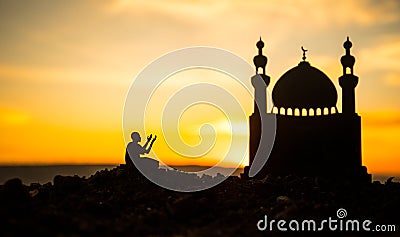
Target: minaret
{"x":348,"y":81}
{"x":351,"y":146}
{"x":260,"y":83}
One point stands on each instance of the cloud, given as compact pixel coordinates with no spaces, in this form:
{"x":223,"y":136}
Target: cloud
{"x":385,"y":55}
{"x":324,"y":13}
{"x":393,"y":79}
{"x":383,"y":60}
{"x":13,"y":118}
{"x":381,"y":119}
{"x":43,"y":74}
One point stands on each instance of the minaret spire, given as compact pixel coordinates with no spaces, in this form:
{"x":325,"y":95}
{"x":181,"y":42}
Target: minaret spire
{"x":260,"y":81}
{"x":347,"y":60}
{"x":260,"y":61}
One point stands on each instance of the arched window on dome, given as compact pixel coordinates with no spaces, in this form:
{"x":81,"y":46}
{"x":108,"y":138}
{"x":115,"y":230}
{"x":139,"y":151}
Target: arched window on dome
{"x":296,"y":112}
{"x":275,"y":110}
{"x":304,"y":112}
{"x":311,"y":112}
{"x":333,"y":110}
{"x":318,"y":111}
{"x":326,"y":111}
{"x":289,"y":112}
{"x":282,"y":111}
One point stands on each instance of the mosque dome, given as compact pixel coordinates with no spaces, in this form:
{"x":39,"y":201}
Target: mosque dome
{"x":304,"y":87}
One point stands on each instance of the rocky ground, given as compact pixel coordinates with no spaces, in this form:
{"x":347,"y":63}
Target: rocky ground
{"x":120,"y":202}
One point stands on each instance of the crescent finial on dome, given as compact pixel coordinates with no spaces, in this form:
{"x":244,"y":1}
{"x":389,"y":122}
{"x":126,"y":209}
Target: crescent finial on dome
{"x":304,"y":53}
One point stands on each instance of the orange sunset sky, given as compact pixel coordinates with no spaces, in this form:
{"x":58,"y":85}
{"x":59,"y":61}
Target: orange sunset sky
{"x":66,"y":67}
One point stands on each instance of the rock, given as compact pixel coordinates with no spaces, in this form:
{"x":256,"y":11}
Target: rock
{"x":389,"y":180}
{"x":34,"y":192}
{"x":15,"y":190}
{"x":14,"y":198}
{"x":120,"y":203}
{"x":66,"y":184}
{"x":283,"y":199}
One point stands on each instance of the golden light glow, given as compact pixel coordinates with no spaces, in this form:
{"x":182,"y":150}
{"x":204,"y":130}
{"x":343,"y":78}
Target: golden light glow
{"x":66,"y":67}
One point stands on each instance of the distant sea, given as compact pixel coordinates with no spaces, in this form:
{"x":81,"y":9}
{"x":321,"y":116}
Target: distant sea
{"x":45,"y":173}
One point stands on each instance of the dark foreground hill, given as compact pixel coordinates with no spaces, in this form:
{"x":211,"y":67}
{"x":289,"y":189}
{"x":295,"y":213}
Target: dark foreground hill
{"x":120,"y":202}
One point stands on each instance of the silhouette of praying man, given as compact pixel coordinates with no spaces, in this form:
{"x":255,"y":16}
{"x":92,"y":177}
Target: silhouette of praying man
{"x":134,"y":150}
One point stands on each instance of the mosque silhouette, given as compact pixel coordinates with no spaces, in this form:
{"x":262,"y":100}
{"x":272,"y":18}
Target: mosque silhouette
{"x":312,"y":138}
